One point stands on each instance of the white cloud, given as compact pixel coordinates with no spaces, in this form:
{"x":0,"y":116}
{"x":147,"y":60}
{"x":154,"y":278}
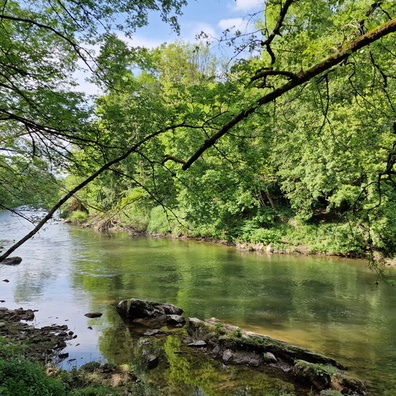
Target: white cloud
{"x":141,"y":41}
{"x":233,"y":24}
{"x":247,"y":5}
{"x":191,"y":30}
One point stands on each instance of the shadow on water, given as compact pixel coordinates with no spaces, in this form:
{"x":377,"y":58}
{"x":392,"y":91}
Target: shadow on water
{"x":329,"y":305}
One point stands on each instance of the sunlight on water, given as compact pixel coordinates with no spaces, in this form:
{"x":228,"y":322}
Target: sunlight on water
{"x":329,"y":305}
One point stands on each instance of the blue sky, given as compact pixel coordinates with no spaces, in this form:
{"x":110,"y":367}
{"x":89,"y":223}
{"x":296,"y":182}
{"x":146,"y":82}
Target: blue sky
{"x":210,"y":16}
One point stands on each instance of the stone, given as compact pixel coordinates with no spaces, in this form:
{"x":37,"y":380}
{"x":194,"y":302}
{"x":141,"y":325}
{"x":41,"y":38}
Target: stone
{"x":136,"y":308}
{"x":157,"y":333}
{"x":269,"y":357}
{"x":152,"y":361}
{"x":198,"y":344}
{"x":150,"y":314}
{"x":347,"y":384}
{"x":235,"y":346}
{"x":227,"y":355}
{"x":176,"y":320}
{"x":12,"y":261}
{"x":312,"y":374}
{"x":93,"y":314}
{"x":254,"y":362}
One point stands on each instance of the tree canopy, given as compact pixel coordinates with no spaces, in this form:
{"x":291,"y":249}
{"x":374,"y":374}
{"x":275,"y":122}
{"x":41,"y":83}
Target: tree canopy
{"x":299,"y":134}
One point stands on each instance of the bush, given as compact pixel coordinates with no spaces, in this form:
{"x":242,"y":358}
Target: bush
{"x":78,"y":216}
{"x":158,"y":221}
{"x":265,"y":236}
{"x":23,"y":378}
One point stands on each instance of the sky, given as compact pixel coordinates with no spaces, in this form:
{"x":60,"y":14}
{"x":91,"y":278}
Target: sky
{"x":209,"y":16}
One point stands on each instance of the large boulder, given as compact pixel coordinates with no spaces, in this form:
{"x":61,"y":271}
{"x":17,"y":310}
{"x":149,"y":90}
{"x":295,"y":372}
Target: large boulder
{"x":150,"y":313}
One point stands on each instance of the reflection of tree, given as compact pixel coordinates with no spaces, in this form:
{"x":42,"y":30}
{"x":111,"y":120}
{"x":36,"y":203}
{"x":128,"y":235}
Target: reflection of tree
{"x":186,"y":372}
{"x":323,"y":304}
{"x":42,"y":265}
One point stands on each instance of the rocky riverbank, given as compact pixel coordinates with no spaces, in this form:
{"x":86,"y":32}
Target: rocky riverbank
{"x":42,"y":344}
{"x":308,"y":371}
{"x":317,"y":374}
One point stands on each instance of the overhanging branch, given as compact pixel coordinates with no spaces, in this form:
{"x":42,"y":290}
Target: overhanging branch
{"x":88,"y":180}
{"x":299,"y":79}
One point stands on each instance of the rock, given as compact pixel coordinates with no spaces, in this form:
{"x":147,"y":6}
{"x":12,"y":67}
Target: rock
{"x":22,"y":314}
{"x":348,"y":385}
{"x":135,"y":308}
{"x":227,"y":355}
{"x":90,"y":367}
{"x":198,"y":344}
{"x":152,"y":361}
{"x":150,"y":313}
{"x":157,"y":333}
{"x":313,"y":374}
{"x":176,"y":320}
{"x":93,"y":315}
{"x":254,"y":362}
{"x":11,"y":261}
{"x":44,"y":344}
{"x":233,"y":345}
{"x":152,"y":323}
{"x":269,"y":357}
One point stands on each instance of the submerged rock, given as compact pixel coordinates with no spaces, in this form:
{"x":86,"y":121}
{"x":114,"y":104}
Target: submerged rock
{"x":44,"y":344}
{"x":93,"y":314}
{"x":232,"y":345}
{"x":12,"y":261}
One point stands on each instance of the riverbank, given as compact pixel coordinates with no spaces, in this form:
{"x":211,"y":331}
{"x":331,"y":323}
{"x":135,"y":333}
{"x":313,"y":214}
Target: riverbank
{"x":293,"y":238}
{"x":29,"y":358}
{"x":327,"y":305}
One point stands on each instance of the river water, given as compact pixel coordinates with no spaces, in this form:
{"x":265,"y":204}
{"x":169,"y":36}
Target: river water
{"x":329,"y":305}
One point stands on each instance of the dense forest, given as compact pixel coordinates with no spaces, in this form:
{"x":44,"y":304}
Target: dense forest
{"x":290,"y":142}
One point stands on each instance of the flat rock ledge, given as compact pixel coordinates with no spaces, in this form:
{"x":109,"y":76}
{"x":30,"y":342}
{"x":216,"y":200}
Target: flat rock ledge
{"x":232,"y":345}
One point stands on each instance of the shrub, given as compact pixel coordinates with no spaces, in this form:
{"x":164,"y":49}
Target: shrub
{"x":23,"y":378}
{"x":78,"y":216}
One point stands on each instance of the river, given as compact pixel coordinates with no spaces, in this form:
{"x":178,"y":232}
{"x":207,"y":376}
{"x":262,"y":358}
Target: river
{"x":329,"y":305}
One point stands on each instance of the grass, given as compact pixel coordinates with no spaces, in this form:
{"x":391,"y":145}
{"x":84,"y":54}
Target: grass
{"x":23,"y":376}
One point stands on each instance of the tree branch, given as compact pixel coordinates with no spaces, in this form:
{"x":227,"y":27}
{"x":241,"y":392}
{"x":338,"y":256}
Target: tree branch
{"x":276,"y":31}
{"x":301,"y":78}
{"x":88,"y":180}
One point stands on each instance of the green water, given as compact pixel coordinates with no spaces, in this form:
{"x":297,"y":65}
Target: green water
{"x":332,"y":306}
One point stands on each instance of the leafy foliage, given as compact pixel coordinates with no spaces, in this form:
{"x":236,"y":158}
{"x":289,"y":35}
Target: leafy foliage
{"x":21,"y":377}
{"x":303,"y":128}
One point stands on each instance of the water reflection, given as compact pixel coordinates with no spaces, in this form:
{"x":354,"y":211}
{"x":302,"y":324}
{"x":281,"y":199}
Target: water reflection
{"x":329,"y":305}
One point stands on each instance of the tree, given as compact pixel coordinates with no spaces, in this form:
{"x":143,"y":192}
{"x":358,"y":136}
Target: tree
{"x":41,"y":47}
{"x":299,"y":52}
